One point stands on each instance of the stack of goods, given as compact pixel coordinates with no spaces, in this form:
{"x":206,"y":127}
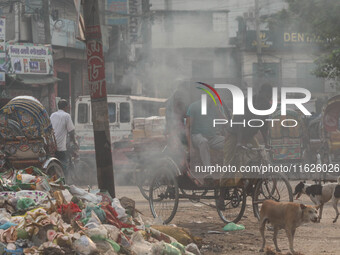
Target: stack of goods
{"x":149,"y":127}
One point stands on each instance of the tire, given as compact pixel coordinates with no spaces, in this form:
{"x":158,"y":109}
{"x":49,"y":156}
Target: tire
{"x":275,"y":187}
{"x":143,"y":178}
{"x":234,"y":204}
{"x":145,"y":175}
{"x":164,"y":195}
{"x":56,"y":169}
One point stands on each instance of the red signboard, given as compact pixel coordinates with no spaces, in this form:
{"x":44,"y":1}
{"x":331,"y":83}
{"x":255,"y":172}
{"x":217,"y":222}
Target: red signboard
{"x":95,"y":63}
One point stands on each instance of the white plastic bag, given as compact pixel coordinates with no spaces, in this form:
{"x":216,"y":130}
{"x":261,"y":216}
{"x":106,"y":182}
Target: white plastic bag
{"x":84,"y":245}
{"x":119,"y":208}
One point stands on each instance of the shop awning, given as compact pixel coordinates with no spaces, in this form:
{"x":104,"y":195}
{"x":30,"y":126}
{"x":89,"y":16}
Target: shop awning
{"x":36,"y":79}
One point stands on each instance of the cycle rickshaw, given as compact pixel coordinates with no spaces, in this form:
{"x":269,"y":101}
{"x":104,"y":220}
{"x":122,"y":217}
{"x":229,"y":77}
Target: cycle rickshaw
{"x":172,"y":181}
{"x":289,"y":144}
{"x":27,"y":137}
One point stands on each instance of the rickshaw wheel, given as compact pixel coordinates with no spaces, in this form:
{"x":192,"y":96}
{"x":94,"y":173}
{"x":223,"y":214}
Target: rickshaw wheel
{"x":235,"y":200}
{"x":164,"y":195}
{"x":144,"y":177}
{"x":275,"y":187}
{"x":54,"y":169}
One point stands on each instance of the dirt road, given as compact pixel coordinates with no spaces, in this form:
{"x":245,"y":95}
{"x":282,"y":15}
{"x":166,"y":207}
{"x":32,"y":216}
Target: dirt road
{"x":311,"y":239}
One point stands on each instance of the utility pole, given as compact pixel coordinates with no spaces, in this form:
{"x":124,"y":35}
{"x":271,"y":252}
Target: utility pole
{"x":258,"y":42}
{"x":97,"y":84}
{"x":46,"y":10}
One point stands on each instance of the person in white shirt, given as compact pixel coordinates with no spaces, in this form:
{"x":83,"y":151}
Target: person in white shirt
{"x":62,"y":125}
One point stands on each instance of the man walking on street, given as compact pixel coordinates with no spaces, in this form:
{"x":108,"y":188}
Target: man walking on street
{"x":62,"y":125}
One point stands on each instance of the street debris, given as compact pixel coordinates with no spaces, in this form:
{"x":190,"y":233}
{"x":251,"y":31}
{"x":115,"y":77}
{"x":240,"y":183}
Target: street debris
{"x":39,"y":214}
{"x":233,"y":227}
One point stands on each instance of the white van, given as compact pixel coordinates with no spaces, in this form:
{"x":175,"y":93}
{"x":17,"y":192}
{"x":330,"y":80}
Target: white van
{"x":120,"y":120}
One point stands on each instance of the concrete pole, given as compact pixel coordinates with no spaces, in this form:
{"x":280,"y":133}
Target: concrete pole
{"x":97,"y":84}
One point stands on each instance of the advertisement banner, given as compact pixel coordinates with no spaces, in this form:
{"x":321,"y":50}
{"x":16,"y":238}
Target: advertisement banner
{"x":29,"y":59}
{"x":135,"y":9}
{"x":2,"y":49}
{"x":64,"y":33}
{"x":116,"y":7}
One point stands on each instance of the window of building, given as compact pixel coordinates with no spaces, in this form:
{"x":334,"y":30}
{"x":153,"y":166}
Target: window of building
{"x":112,"y":112}
{"x":124,"y":112}
{"x":83,"y":115}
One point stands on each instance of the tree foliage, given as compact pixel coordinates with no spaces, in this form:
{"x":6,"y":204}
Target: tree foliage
{"x":320,"y":18}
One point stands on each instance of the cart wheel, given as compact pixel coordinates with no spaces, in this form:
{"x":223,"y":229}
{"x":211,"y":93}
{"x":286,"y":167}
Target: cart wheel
{"x":163,"y":195}
{"x":143,"y":179}
{"x":54,"y":169}
{"x":233,"y":206}
{"x":275,"y":187}
{"x":145,"y":175}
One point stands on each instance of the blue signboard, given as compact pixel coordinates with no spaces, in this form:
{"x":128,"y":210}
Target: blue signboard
{"x":115,"y":8}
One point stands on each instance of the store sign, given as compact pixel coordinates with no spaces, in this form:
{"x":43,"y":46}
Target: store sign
{"x":265,"y":38}
{"x":29,"y":59}
{"x":2,"y":49}
{"x":278,"y":40}
{"x":135,"y":9}
{"x":64,"y":34}
{"x":33,"y":6}
{"x":115,"y":7}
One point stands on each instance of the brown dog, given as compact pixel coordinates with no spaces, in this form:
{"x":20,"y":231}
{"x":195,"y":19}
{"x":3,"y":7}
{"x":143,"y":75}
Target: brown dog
{"x":287,"y":216}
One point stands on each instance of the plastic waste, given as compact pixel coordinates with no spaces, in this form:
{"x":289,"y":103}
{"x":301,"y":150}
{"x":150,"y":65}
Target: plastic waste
{"x":112,"y":232}
{"x":24,"y":203}
{"x":83,"y":194}
{"x":114,"y":245}
{"x":99,"y":212}
{"x":7,"y":225}
{"x":100,"y":230}
{"x":165,"y":249}
{"x":139,"y":245}
{"x":179,"y":246}
{"x":193,"y":249}
{"x":182,"y":235}
{"x":84,"y":245}
{"x":233,"y":227}
{"x":119,"y":208}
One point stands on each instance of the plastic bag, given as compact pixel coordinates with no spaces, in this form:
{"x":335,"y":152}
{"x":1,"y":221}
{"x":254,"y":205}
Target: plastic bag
{"x":119,"y":208}
{"x":179,"y":246}
{"x":24,"y":203}
{"x":112,"y":232}
{"x":139,"y":245}
{"x":78,"y":192}
{"x":192,"y":248}
{"x":84,"y":245}
{"x":165,"y":249}
{"x":233,"y":227}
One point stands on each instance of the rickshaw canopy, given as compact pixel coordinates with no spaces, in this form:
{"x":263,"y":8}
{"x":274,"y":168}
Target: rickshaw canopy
{"x":24,"y":115}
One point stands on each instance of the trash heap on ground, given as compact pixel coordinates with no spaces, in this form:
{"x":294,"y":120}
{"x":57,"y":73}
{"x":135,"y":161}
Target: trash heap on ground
{"x":42,"y":215}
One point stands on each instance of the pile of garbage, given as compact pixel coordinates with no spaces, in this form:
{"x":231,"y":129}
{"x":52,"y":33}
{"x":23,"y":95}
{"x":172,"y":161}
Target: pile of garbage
{"x":42,"y":215}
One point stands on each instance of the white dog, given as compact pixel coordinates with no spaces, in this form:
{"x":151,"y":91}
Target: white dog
{"x":321,"y":194}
